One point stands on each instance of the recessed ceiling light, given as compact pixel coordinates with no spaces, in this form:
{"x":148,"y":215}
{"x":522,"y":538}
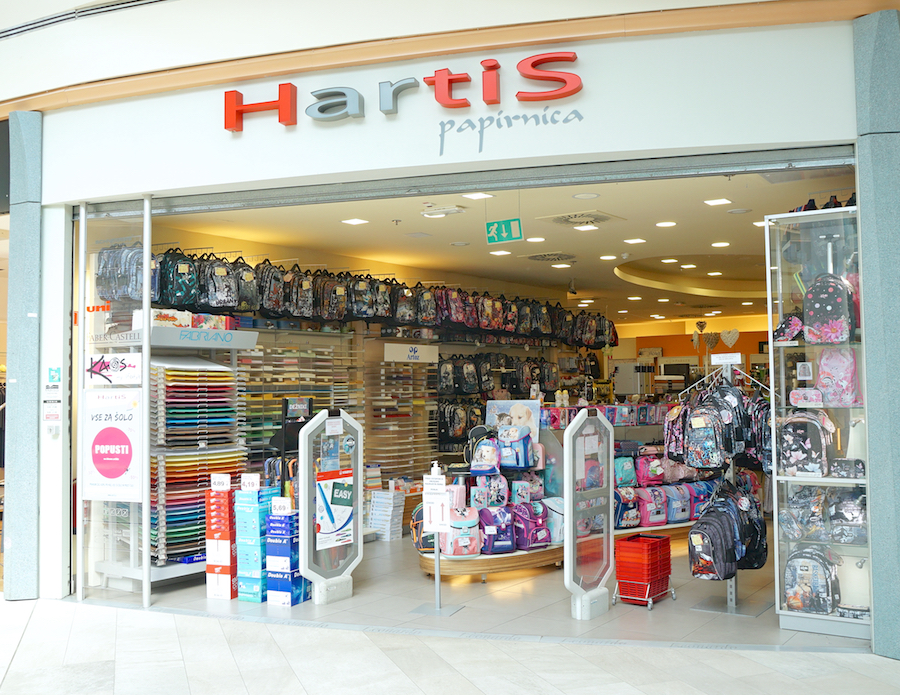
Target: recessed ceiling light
{"x":715,"y":312}
{"x":662,"y":300}
{"x":477,"y":196}
{"x":586,"y":227}
{"x":582,"y":304}
{"x":720,"y":244}
{"x":746,"y":303}
{"x":500,"y":253}
{"x":435,"y":212}
{"x":659,"y":316}
{"x":709,"y":314}
{"x":417,"y":235}
{"x":459,"y":243}
{"x":355,"y":220}
{"x":561,"y":265}
{"x":635,"y":241}
{"x":714,"y":273}
{"x":634,"y":299}
{"x":665,"y":224}
{"x":670,"y":260}
{"x":586,"y":196}
{"x":688,"y":266}
{"x":608,"y":258}
{"x":760,"y":224}
{"x":588,"y":301}
{"x":623,"y":311}
{"x":717,"y":201}
{"x":739,"y":211}
{"x":535,"y":239}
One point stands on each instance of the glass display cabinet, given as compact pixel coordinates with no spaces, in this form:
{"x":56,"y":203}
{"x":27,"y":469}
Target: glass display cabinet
{"x":819,"y":461}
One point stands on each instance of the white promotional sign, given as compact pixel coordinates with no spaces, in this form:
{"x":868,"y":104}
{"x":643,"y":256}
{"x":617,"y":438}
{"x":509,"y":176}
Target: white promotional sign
{"x":435,"y":504}
{"x":400,"y":352}
{"x":112,"y":450}
{"x":723,"y":358}
{"x":113,"y":370}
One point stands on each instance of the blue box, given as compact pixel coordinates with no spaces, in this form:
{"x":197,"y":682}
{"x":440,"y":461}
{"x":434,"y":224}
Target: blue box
{"x":244,"y":321}
{"x":283,"y":554}
{"x":252,"y":589}
{"x":250,"y":555}
{"x":288,"y":588}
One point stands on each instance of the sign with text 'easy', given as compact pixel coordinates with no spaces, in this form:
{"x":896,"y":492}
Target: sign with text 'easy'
{"x":503,"y":231}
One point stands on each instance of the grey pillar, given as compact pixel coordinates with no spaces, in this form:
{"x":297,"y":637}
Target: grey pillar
{"x":20,"y":518}
{"x":876,"y":44}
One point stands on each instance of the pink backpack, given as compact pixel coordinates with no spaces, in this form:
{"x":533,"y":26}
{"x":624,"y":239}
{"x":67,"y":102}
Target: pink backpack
{"x":836,"y":377}
{"x":497,"y":487}
{"x":457,"y":494}
{"x":674,"y":472}
{"x":649,"y":471}
{"x":530,"y":521}
{"x":652,"y":506}
{"x":464,"y":536}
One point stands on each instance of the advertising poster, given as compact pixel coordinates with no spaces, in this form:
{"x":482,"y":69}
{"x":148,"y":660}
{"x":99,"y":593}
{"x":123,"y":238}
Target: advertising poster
{"x":334,"y":508}
{"x":112,"y":450}
{"x":117,"y":370}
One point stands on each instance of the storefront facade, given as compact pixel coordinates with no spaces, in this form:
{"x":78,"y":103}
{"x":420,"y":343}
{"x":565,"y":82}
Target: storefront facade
{"x":530,"y":109}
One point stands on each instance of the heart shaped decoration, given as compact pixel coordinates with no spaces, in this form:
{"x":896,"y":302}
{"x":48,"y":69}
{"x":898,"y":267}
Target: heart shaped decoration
{"x":730,"y":337}
{"x":701,"y":325}
{"x":711,"y":339}
{"x":695,"y":339}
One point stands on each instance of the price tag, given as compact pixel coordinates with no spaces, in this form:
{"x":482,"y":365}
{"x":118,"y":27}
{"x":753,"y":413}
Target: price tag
{"x":490,"y":530}
{"x":220,"y":481}
{"x":339,"y":291}
{"x":334,"y":426}
{"x":697,"y":422}
{"x":249,"y":481}
{"x":281,"y":506}
{"x":288,"y":277}
{"x":182,"y":268}
{"x":221,"y":271}
{"x":248,"y":276}
{"x":306,"y":284}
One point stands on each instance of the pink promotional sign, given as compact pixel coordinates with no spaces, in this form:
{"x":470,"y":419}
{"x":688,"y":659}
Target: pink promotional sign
{"x":112,"y":453}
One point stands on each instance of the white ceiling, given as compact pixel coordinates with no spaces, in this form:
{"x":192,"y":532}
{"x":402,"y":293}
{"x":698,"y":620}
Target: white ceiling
{"x":397,"y":233}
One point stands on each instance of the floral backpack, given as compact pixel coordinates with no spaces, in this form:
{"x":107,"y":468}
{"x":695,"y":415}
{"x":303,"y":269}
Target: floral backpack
{"x":828,"y":311}
{"x":805,"y":436}
{"x":836,"y":377}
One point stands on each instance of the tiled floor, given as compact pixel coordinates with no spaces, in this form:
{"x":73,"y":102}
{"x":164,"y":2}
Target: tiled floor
{"x":388,"y":586}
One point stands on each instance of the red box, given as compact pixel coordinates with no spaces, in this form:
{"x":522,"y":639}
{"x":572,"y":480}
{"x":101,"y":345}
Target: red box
{"x":223,"y":569}
{"x":226,"y":533}
{"x":640,"y":592}
{"x":221,"y":586}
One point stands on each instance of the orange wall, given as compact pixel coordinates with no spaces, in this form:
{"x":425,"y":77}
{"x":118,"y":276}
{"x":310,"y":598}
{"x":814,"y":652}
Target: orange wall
{"x":681,"y":345}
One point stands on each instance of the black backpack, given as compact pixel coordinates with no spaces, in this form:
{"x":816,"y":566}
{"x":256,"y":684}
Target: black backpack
{"x":382,"y":299}
{"x":362,"y":298}
{"x":446,"y":382}
{"x":465,"y":375}
{"x":811,"y":583}
{"x":485,"y":373}
{"x":426,"y":306}
{"x":829,"y":316}
{"x":178,"y":280}
{"x":247,"y":289}
{"x":403,"y":305}
{"x":218,"y":284}
{"x":270,"y":286}
{"x":711,"y":546}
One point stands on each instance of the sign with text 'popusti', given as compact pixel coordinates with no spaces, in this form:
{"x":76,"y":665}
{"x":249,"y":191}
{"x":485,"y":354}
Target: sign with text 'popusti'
{"x":503,"y":231}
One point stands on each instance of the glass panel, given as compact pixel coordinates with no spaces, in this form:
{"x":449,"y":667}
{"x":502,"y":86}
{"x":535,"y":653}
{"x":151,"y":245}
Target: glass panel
{"x":819,"y":430}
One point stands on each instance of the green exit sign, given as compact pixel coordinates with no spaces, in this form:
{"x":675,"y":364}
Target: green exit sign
{"x":503,"y":231}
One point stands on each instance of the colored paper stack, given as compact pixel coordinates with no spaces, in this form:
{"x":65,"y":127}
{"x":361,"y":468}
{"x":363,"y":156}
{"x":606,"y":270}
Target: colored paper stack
{"x":371,"y":483}
{"x":250,"y":510}
{"x":386,"y":514}
{"x":221,"y":550}
{"x":286,"y":586}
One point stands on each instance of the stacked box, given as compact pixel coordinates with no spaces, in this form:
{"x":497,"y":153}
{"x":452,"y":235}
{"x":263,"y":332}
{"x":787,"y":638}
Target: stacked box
{"x":221,"y":549}
{"x":286,"y":586}
{"x":386,"y":513}
{"x":250,"y":510}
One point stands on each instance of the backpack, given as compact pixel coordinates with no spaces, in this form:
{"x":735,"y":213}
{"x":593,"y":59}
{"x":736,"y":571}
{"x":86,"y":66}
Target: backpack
{"x":549,"y":377}
{"x":178,"y":280}
{"x":465,"y":376}
{"x":847,"y":514}
{"x":593,"y":476}
{"x":828,"y":311}
{"x":535,"y":483}
{"x":218,"y":287}
{"x":270,"y":284}
{"x":497,"y":530}
{"x":423,"y":541}
{"x":485,"y":373}
{"x":555,"y":518}
{"x":626,"y":508}
{"x":383,"y":305}
{"x":651,"y":506}
{"x":497,"y":489}
{"x":805,"y":436}
{"x":530,"y":521}
{"x":810,"y":580}
{"x":426,"y":306}
{"x":524,"y":325}
{"x":247,"y":289}
{"x":515,"y":446}
{"x":446,"y":383}
{"x":522,"y":377}
{"x":362,"y":298}
{"x":711,"y":546}
{"x":332,"y":298}
{"x":649,"y":471}
{"x":625,"y":473}
{"x":673,"y":432}
{"x":470,"y":311}
{"x":403,"y":305}
{"x":464,"y":536}
{"x":836,"y":377}
{"x":482,"y":452}
{"x":678,"y":503}
{"x":803,"y":515}
{"x":705,"y":445}
{"x":510,"y":315}
{"x":543,"y":325}
{"x":700,"y":492}
{"x":456,"y":419}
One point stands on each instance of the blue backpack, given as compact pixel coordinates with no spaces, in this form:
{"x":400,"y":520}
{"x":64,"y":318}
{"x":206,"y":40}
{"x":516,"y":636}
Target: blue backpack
{"x":625,"y":473}
{"x":497,"y":530}
{"x":515,"y":447}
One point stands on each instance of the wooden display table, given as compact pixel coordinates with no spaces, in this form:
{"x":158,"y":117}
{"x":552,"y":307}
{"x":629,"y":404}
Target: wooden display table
{"x":490,"y":564}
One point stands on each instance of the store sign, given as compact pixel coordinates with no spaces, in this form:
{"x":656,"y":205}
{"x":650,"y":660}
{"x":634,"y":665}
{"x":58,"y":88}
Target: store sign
{"x":503,"y":231}
{"x":117,"y":370}
{"x":402,"y":352}
{"x":112,"y":450}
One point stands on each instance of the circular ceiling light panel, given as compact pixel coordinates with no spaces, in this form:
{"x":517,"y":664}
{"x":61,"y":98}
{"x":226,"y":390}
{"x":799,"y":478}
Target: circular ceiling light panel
{"x":720,"y":244}
{"x":665,"y":224}
{"x":739,"y":211}
{"x":586,"y":196}
{"x":459,"y":243}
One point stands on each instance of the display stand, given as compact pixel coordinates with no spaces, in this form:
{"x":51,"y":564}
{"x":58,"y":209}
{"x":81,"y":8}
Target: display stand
{"x":329,"y":497}
{"x":587,"y":478}
{"x":730,"y":603}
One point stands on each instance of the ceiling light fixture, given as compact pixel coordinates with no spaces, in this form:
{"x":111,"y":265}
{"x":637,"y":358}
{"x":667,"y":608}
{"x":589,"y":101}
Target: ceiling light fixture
{"x":708,"y":314}
{"x":585,"y":196}
{"x":561,"y":265}
{"x":623,"y":311}
{"x":477,"y":196}
{"x":718,"y":201}
{"x":588,"y":301}
{"x":459,"y":243}
{"x":720,"y":244}
{"x":535,"y":239}
{"x":715,"y":312}
{"x":435,"y":212}
{"x":634,"y":299}
{"x":607,"y":258}
{"x":665,"y":224}
{"x":662,"y":300}
{"x":746,"y":303}
{"x":760,"y":224}
{"x":714,"y":273}
{"x":739,"y":211}
{"x":635,"y":241}
{"x":586,"y":227}
{"x":659,"y":316}
{"x":355,"y":220}
{"x":670,"y":260}
{"x":500,"y":253}
{"x":582,"y":305}
{"x":688,"y":266}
